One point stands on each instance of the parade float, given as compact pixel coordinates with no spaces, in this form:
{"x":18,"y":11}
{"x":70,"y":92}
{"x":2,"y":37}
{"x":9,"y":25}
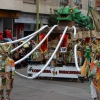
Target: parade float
{"x":62,"y":64}
{"x":54,"y":54}
{"x":70,"y":49}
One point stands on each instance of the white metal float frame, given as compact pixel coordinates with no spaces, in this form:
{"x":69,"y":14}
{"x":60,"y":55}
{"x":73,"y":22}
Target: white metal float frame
{"x":35,"y":47}
{"x":13,"y":42}
{"x":75,"y":51}
{"x":75,"y":55}
{"x":23,"y":43}
{"x":74,"y":31}
{"x":36,"y":75}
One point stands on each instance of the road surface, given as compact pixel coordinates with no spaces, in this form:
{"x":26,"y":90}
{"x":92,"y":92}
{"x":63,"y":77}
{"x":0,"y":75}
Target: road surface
{"x":45,"y":89}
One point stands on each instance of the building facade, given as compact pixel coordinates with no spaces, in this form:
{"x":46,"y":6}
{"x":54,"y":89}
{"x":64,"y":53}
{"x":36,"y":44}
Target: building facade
{"x":82,"y":4}
{"x":97,"y":5}
{"x":21,"y":14}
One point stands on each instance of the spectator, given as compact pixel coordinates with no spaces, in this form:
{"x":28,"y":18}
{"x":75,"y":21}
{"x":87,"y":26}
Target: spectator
{"x":1,"y":36}
{"x":16,"y":57}
{"x":22,"y":53}
{"x":9,"y":34}
{"x":32,"y":45}
{"x":4,"y":33}
{"x":6,"y":36}
{"x":21,"y":34}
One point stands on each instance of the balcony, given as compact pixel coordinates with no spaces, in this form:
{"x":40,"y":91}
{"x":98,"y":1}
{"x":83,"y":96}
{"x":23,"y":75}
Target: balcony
{"x":29,"y":5}
{"x":29,"y":1}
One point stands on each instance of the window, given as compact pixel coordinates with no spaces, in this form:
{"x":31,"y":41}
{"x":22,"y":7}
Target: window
{"x":77,"y":1}
{"x":29,"y":1}
{"x":80,"y":6}
{"x":98,"y":9}
{"x":90,"y":2}
{"x":64,"y":2}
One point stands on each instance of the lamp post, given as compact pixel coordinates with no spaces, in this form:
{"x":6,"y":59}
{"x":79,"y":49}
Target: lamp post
{"x":37,"y":16}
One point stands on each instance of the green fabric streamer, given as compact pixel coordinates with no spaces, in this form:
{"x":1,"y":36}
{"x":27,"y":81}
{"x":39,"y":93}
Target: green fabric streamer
{"x":88,"y":54}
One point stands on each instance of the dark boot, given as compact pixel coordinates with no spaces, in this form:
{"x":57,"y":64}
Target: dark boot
{"x":95,"y":99}
{"x":1,"y":95}
{"x":7,"y":98}
{"x":8,"y":94}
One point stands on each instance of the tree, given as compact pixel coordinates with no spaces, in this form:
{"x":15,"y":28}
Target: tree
{"x":52,"y":19}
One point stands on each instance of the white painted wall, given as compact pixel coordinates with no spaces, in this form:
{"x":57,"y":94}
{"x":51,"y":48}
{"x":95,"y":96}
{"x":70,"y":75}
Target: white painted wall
{"x":11,"y":4}
{"x":84,"y":5}
{"x":45,"y":5}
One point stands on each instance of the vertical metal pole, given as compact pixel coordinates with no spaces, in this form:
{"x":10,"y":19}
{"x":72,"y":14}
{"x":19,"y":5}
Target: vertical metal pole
{"x":12,"y":27}
{"x":37,"y":17}
{"x":37,"y":10}
{"x":88,"y":3}
{"x":41,"y":23}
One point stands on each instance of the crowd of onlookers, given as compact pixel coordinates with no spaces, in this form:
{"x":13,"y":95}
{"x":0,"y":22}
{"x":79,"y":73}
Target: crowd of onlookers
{"x":21,"y":52}
{"x":6,"y":36}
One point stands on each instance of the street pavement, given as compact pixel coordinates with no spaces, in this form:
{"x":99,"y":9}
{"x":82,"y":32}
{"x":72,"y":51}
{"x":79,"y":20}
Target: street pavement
{"x":45,"y":89}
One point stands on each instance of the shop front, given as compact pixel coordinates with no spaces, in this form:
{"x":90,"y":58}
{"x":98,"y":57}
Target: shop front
{"x":6,"y":19}
{"x":27,"y":23}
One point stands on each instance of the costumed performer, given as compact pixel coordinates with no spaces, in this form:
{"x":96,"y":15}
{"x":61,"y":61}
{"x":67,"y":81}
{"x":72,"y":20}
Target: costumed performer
{"x":7,"y":70}
{"x":91,"y":69}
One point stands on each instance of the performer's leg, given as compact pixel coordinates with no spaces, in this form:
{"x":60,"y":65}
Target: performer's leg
{"x":8,"y":90}
{"x":93,"y":91}
{"x":95,"y":99}
{"x":98,"y":94}
{"x":1,"y":90}
{"x":1,"y":95}
{"x":8,"y":94}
